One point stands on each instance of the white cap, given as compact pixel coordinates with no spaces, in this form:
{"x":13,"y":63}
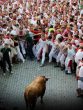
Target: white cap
{"x":58,"y":36}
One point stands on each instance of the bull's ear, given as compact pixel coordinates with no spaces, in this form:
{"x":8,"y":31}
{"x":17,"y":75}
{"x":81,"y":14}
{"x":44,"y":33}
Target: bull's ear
{"x":47,"y":79}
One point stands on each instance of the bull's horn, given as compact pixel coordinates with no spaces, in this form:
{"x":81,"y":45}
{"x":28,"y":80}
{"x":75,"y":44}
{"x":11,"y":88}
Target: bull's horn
{"x":47,"y":79}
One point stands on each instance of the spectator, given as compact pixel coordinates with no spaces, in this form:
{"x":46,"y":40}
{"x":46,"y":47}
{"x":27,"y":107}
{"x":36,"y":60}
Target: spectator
{"x":6,"y":58}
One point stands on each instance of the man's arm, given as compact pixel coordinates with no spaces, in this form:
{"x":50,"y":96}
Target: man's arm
{"x":2,"y":50}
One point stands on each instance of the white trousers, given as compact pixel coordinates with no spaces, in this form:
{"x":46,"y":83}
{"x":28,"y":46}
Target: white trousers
{"x":38,"y":53}
{"x":67,"y":66}
{"x":22,"y":47}
{"x":58,"y":57}
{"x":44,"y":51}
{"x":19,"y":54}
{"x":62,"y":59}
{"x":51,"y":54}
{"x":80,"y":84}
{"x":34,"y":51}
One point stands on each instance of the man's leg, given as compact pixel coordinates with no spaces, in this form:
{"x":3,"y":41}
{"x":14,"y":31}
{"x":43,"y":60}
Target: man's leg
{"x":43,"y":56}
{"x":9,"y":64}
{"x":20,"y":56}
{"x":39,"y":54}
{"x":51,"y":55}
{"x":4,"y":66}
{"x":62,"y":61}
{"x":58,"y":59}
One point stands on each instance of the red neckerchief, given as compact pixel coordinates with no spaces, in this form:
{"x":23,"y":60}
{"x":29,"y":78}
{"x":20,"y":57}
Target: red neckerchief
{"x":81,"y":63}
{"x":65,"y":38}
{"x":73,"y":44}
{"x":46,"y":33}
{"x":54,"y":4}
{"x":77,"y":49}
{"x":53,"y":40}
{"x":81,"y":41}
{"x":76,"y":38}
{"x":81,"y":50}
{"x":6,"y":37}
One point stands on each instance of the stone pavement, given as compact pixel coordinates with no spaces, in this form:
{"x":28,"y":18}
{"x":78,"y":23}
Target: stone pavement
{"x":60,"y":92}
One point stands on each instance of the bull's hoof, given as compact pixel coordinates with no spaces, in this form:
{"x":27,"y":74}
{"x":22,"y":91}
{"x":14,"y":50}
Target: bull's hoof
{"x":15,"y":108}
{"x":41,"y":102}
{"x":78,"y":92}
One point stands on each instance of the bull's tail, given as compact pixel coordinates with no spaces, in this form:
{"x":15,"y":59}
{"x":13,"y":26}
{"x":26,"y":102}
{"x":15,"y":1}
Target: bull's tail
{"x":30,"y":100}
{"x":26,"y":100}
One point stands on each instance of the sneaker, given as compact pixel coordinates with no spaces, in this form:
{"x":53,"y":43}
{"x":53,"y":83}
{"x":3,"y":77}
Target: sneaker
{"x":56,"y":65}
{"x":7,"y":69}
{"x":11,"y":72}
{"x":4,"y":74}
{"x":42,"y":65}
{"x":66,"y":72}
{"x":62,"y":68}
{"x":23,"y":61}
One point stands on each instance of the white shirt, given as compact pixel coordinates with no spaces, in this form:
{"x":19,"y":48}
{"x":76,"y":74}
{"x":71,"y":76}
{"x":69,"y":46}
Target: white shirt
{"x":81,"y":72}
{"x":78,"y":56}
{"x":42,"y":43}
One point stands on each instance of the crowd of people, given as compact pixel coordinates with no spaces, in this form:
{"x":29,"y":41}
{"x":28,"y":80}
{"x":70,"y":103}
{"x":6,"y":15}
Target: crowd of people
{"x":43,"y":29}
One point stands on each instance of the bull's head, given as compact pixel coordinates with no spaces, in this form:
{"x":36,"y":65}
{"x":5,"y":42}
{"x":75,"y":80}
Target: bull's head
{"x":46,"y":79}
{"x":42,"y":79}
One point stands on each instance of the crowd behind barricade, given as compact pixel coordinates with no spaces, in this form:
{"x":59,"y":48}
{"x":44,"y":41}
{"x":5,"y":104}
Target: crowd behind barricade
{"x":40,"y":29}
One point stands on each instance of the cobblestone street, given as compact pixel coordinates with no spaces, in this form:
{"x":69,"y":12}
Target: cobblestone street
{"x":60,"y":92}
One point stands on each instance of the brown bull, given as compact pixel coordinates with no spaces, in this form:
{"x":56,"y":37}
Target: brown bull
{"x":34,"y":90}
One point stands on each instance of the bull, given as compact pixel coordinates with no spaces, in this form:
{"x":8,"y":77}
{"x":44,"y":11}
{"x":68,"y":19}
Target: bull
{"x":35,"y":90}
